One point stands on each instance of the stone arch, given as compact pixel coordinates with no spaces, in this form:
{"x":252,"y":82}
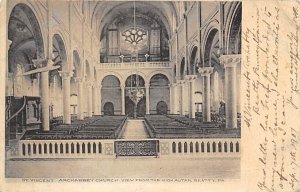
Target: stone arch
{"x":233,"y":29}
{"x":166,"y":74}
{"x":128,"y":74}
{"x":131,"y":80}
{"x":159,"y":94}
{"x":110,"y":81}
{"x":36,"y":17}
{"x":211,"y":42}
{"x":27,"y":39}
{"x":111,"y":95}
{"x":119,"y":76}
{"x":157,"y":77}
{"x":193,"y":60}
{"x":59,"y":56}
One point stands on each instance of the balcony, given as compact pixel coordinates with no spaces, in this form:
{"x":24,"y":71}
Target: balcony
{"x":135,"y":65}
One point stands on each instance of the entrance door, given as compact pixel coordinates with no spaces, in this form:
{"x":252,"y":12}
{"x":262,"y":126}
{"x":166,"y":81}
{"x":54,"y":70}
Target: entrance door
{"x":108,"y":108}
{"x":161,"y":107}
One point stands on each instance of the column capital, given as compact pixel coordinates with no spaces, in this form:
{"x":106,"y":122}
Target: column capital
{"x":172,"y":84}
{"x":79,"y":79}
{"x":190,"y":77}
{"x":66,"y":74}
{"x":89,"y":83}
{"x":181,"y":82}
{"x":147,"y":85}
{"x":206,"y":71}
{"x":230,"y":60}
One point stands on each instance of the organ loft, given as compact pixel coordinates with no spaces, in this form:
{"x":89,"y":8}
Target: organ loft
{"x":98,"y":77}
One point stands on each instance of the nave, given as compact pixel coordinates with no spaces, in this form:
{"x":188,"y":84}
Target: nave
{"x":103,"y":82}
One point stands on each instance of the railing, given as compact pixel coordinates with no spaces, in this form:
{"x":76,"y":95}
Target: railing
{"x":219,"y":147}
{"x":65,"y":148}
{"x":149,"y":147}
{"x":195,"y":148}
{"x":134,"y":65}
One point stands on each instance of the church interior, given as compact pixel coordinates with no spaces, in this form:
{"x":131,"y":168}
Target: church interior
{"x":123,"y":78}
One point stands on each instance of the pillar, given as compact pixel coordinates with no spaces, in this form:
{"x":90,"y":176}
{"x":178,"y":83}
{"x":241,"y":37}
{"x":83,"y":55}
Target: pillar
{"x":205,"y":73}
{"x":191,"y":82}
{"x":90,"y":99}
{"x":147,"y":86}
{"x":175,"y":98}
{"x":99,"y":99}
{"x":80,"y":108}
{"x":95,"y":100}
{"x":230,"y":63}
{"x":171,"y":98}
{"x":66,"y":87}
{"x":182,"y":106}
{"x":45,"y":100}
{"x":123,"y":99}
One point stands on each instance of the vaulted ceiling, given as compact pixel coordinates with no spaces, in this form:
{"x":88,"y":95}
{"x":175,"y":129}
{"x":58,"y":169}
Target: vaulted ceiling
{"x":106,"y":13}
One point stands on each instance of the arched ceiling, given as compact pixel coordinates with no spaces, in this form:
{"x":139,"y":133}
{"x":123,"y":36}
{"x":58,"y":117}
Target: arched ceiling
{"x":106,"y":12}
{"x":26,"y":37}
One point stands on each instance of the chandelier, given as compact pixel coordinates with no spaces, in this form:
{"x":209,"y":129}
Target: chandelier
{"x":134,"y":35}
{"x":135,"y":93}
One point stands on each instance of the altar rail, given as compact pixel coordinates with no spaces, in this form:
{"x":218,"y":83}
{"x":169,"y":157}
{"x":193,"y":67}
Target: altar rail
{"x":217,"y":147}
{"x":134,"y":65}
{"x":222,"y":147}
{"x":65,"y":148}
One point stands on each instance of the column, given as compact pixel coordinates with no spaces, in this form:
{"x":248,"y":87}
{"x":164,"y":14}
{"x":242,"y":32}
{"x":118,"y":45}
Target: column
{"x":206,"y":72}
{"x":147,"y":86}
{"x":175,"y":98}
{"x":230,"y":63}
{"x":66,"y":87}
{"x":95,"y":100}
{"x":80,"y":108}
{"x":90,"y":99}
{"x":123,"y":99}
{"x":99,"y":99}
{"x":192,"y":96}
{"x":45,"y":100}
{"x":182,"y":97}
{"x":171,"y":98}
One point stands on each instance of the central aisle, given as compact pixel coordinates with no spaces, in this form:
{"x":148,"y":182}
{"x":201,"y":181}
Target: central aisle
{"x":134,"y":129}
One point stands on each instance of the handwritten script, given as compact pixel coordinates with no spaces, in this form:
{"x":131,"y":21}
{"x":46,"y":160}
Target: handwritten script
{"x":271,"y":105}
